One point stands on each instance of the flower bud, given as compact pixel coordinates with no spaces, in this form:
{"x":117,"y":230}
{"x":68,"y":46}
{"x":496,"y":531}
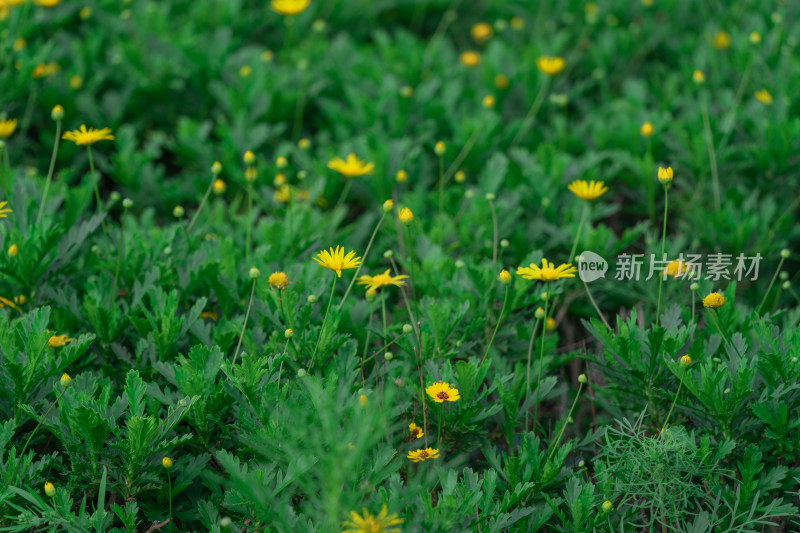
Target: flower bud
{"x":281,"y":162}
{"x":166,"y":462}
{"x":304,"y":144}
{"x":459,"y":263}
{"x":785,"y":253}
{"x":388,"y":205}
{"x":225,"y":522}
{"x":216,"y":168}
{"x":219,"y":186}
{"x":254,"y":273}
{"x":13,"y":250}
{"x":401,"y":176}
{"x":686,"y":361}
{"x":127,"y":203}
{"x":388,"y":254}
{"x":581,"y":463}
{"x":646,"y":130}
{"x":489,"y":197}
{"x":665,"y":175}
{"x":249,"y":158}
{"x":115,"y":196}
{"x":698,"y":77}
{"x":504,"y":243}
{"x":783,"y":275}
{"x":607,"y":506}
{"x":49,"y":489}
{"x":539,"y":314}
{"x":461,"y":176}
{"x":362,"y":400}
{"x":694,"y":287}
{"x":406,"y":216}
{"x":371,"y":294}
{"x":289,"y":333}
{"x":301,"y":373}
{"x":57,"y":113}
{"x":504,"y":277}
{"x":66,"y":381}
{"x":177,"y":211}
{"x":488,"y":101}
{"x":440,"y":148}
{"x":582,"y":378}
{"x":388,"y":356}
{"x":786,"y":285}
{"x":407,"y":328}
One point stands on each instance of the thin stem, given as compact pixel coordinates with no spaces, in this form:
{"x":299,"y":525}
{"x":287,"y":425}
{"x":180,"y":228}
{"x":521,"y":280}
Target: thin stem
{"x":169,"y":484}
{"x":249,"y":221}
{"x":95,"y":179}
{"x":441,"y":200}
{"x":494,"y":232}
{"x":324,"y":320}
{"x":441,"y":419}
{"x":713,"y":315}
{"x":21,"y":456}
{"x":693,"y":301}
{"x":345,"y":191}
{"x":554,"y":442}
{"x":49,"y":173}
{"x":663,"y":247}
{"x":584,"y":213}
{"x":383,"y":314}
{"x":244,"y":325}
{"x":541,"y":361}
{"x":120,"y":249}
{"x":363,"y":260}
{"x":496,"y":327}
{"x":591,"y":299}
{"x":712,"y":157}
{"x":771,"y":283}
{"x":366,"y":346}
{"x":528,"y":366}
{"x":202,"y":204}
{"x":674,"y":401}
{"x":527,"y":121}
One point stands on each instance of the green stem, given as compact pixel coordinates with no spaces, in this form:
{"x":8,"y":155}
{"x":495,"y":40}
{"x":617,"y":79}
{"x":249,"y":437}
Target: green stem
{"x":324,"y":320}
{"x":363,"y":260}
{"x":120,"y":249}
{"x":554,"y":442}
{"x":674,"y":401}
{"x":49,"y":173}
{"x":584,"y":213}
{"x":663,"y":248}
{"x":95,"y":179}
{"x":771,"y":283}
{"x":496,"y":327}
{"x":21,"y":456}
{"x":441,"y":200}
{"x":169,"y":482}
{"x":249,"y":221}
{"x":494,"y":232}
{"x":712,"y":157}
{"x":713,"y":315}
{"x":591,"y":299}
{"x":345,"y":191}
{"x":383,"y":314}
{"x":202,"y":204}
{"x":541,"y":362}
{"x":526,"y":122}
{"x":528,"y":367}
{"x":244,"y":325}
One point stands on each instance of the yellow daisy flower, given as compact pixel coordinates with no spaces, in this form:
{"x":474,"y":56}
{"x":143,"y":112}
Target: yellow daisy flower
{"x":278,"y":280}
{"x":4,"y":211}
{"x":289,"y":8}
{"x":337,"y":261}
{"x":480,"y":32}
{"x":721,"y":40}
{"x":675,"y":268}
{"x":763,"y":96}
{"x":7,"y":127}
{"x":587,"y":191}
{"x":352,"y":167}
{"x":714,"y":300}
{"x":88,"y":137}
{"x":550,"y":65}
{"x":382,"y":280}
{"x":415,"y":430}
{"x":442,"y":392}
{"x":367,"y":523}
{"x":470,"y":59}
{"x":423,"y":454}
{"x":56,"y":341}
{"x":547,"y":272}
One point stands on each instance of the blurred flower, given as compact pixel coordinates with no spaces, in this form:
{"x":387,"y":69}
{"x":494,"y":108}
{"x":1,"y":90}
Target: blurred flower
{"x":49,"y":489}
{"x":76,"y":82}
{"x":219,"y":186}
{"x":57,"y":113}
{"x":267,"y":55}
{"x":442,"y":392}
{"x":675,"y":268}
{"x":406,"y":216}
{"x":480,"y":32}
{"x":20,"y":44}
{"x":289,"y":7}
{"x":249,"y":158}
{"x":337,"y":261}
{"x":755,"y":37}
{"x":281,"y":162}
{"x":423,"y":454}
{"x":764,"y":97}
{"x":714,"y":300}
{"x":517,"y":23}
{"x":665,"y":175}
{"x":547,"y":272}
{"x":721,"y":40}
{"x":504,"y":277}
{"x":460,"y":176}
{"x":47,"y":3}
{"x":245,"y":71}
{"x":470,"y":58}
{"x":251,"y":174}
{"x":388,"y":206}
{"x":401,"y":176}
{"x":56,"y":341}
{"x":13,"y":250}
{"x":363,"y":400}
{"x":406,"y":91}
{"x":43,"y":70}
{"x":166,"y":462}
{"x":415,"y":430}
{"x":352,"y":167}
{"x":367,"y":523}
{"x":439,"y":148}
{"x":501,"y":81}
{"x":209,"y":314}
{"x":85,"y":12}
{"x":647,"y":129}
{"x":382,"y":280}
{"x":88,"y":137}
{"x":304,"y":144}
{"x":698,"y":76}
{"x":550,"y":65}
{"x":254,"y":273}
{"x":488,"y":101}
{"x":278,"y":280}
{"x":7,"y":127}
{"x":587,"y":191}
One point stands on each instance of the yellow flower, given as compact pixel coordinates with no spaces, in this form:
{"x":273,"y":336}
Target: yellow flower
{"x":278,"y":280}
{"x":501,"y":81}
{"x":488,"y":101}
{"x":209,"y":314}
{"x":363,"y":400}
{"x":304,"y":144}
{"x":337,"y":261}
{"x":714,"y":300}
{"x":49,"y":489}
{"x":47,"y":3}
{"x":665,"y":175}
{"x":381,"y":280}
{"x":289,"y":8}
{"x":721,"y":40}
{"x":250,"y":174}
{"x":352,"y":167}
{"x":460,"y":176}
{"x":504,"y":277}
{"x":406,"y":216}
{"x":764,"y":97}
{"x":755,"y":37}
{"x":7,"y":127}
{"x":415,"y":430}
{"x":481,"y":31}
{"x":267,"y":55}
{"x":470,"y":58}
{"x":547,"y":272}
{"x":76,"y":82}
{"x":587,"y":191}
{"x":401,"y":176}
{"x":43,"y":70}
{"x":219,"y":186}
{"x":88,"y":137}
{"x":166,"y":462}
{"x":550,"y":65}
{"x":56,"y":341}
{"x":381,"y":523}
{"x":249,"y":158}
{"x":20,"y":43}
{"x":647,"y":129}
{"x":686,"y":361}
{"x":85,"y":12}
{"x":675,"y":268}
{"x":698,"y":76}
{"x":65,"y":380}
{"x":246,"y":71}
{"x":13,"y":250}
{"x":442,"y":392}
{"x":423,"y":454}
{"x":550,"y":324}
{"x":439,"y":148}
{"x":5,"y":302}
{"x":517,"y":23}
{"x":388,"y":206}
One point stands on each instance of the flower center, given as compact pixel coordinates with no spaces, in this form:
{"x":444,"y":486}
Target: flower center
{"x":423,"y":454}
{"x":443,"y":395}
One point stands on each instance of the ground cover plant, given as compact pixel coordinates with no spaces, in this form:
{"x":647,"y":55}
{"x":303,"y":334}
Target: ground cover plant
{"x":399,"y":265}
